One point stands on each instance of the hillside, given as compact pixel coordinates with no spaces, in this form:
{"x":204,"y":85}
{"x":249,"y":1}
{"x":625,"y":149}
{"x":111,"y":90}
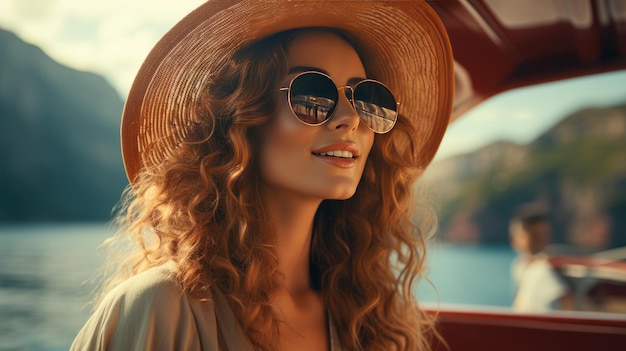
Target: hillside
{"x":577,"y":168}
{"x":59,"y":139}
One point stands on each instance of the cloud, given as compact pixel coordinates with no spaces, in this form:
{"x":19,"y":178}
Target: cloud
{"x":110,"y":38}
{"x":487,"y":114}
{"x":523,"y":115}
{"x":31,"y":10}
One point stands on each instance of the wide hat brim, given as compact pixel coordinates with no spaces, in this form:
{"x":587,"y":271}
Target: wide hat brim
{"x":401,"y":43}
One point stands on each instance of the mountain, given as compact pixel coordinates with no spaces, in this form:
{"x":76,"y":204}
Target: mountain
{"x":59,"y":139}
{"x":577,"y":168}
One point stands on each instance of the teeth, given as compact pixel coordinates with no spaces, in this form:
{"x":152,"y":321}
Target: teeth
{"x":338,"y":153}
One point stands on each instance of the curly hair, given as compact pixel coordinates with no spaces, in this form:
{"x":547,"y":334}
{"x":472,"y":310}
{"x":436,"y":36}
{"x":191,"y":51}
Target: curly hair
{"x":202,"y":209}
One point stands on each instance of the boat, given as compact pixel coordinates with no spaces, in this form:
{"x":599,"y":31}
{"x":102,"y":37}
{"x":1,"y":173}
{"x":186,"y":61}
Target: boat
{"x":503,"y":45}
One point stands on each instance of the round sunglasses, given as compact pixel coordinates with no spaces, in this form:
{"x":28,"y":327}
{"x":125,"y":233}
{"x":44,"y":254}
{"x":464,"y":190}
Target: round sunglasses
{"x":313,"y":97}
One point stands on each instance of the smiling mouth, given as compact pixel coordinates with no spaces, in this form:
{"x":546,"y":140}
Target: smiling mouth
{"x":337,"y":153}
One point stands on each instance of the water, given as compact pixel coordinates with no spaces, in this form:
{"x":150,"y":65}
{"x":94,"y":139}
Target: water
{"x":45,"y":275}
{"x":47,"y":271}
{"x":469,"y":275}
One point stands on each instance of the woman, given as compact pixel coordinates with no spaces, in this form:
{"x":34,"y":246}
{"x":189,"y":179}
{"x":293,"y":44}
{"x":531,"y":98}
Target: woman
{"x":271,"y":169}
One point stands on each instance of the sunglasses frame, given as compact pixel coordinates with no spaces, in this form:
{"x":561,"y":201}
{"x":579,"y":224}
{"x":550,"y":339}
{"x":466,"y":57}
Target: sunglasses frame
{"x":351,"y":99}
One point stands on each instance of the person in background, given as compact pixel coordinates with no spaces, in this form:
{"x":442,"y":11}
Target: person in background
{"x":271,"y":148}
{"x":539,"y":288}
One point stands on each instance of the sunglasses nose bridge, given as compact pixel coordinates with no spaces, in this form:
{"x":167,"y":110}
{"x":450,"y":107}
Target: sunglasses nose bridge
{"x":345,"y":113}
{"x":348,"y":92}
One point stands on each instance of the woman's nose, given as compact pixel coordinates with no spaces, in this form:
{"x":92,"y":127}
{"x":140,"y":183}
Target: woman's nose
{"x":344,"y":116}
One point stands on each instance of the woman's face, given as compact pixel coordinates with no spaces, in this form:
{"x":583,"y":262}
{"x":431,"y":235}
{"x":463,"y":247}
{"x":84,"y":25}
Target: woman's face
{"x":291,"y":160}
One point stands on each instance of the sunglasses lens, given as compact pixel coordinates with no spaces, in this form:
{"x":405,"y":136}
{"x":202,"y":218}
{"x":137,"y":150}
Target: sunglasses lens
{"x":375,"y":105}
{"x":313,"y":98}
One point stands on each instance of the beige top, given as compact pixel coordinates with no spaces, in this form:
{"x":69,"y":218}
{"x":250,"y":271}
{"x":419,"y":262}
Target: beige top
{"x":150,"y":311}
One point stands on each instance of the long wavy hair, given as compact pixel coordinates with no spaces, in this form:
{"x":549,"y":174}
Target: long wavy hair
{"x":202,"y":209}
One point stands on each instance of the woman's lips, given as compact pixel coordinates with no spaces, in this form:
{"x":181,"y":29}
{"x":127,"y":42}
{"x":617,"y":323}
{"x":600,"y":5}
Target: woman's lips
{"x":341,"y":155}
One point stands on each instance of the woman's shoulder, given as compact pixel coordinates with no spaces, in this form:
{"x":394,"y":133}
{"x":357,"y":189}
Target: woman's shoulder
{"x":156,"y":283}
{"x":156,"y":294}
{"x":150,"y":311}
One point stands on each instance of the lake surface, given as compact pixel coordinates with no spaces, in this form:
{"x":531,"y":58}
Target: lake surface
{"x":47,"y":277}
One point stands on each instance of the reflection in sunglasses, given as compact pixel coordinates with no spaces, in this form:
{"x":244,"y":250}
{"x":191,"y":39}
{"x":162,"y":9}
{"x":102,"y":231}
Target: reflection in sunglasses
{"x":312,"y":109}
{"x":375,"y":116}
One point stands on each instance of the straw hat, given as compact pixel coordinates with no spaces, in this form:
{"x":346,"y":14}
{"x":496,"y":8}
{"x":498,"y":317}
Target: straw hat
{"x":401,"y":43}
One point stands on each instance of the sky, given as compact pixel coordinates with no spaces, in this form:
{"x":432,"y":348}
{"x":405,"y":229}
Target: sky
{"x":112,"y":37}
{"x":521,"y":115}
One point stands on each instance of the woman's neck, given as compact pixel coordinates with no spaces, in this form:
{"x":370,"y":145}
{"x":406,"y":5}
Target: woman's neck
{"x":292,"y":220}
